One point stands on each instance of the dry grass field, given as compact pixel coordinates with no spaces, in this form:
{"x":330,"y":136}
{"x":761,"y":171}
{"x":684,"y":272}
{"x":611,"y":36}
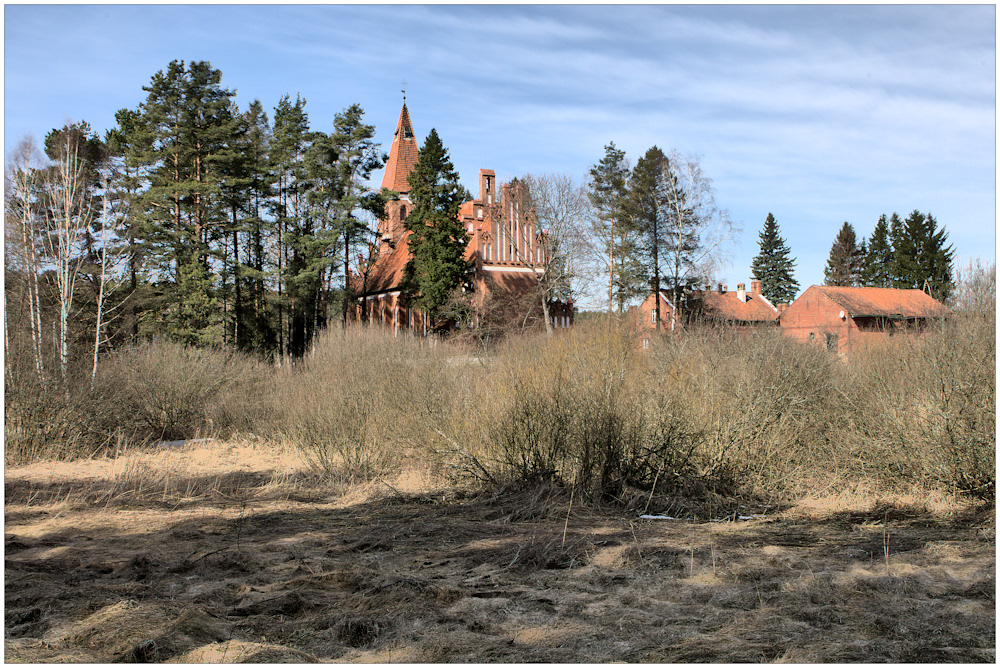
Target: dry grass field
{"x":238,"y":551}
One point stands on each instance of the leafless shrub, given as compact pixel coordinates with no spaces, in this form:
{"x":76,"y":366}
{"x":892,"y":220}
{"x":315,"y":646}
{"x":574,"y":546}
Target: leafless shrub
{"x":356,"y":401}
{"x":752,"y":405}
{"x":168,"y":391}
{"x":926,"y":406}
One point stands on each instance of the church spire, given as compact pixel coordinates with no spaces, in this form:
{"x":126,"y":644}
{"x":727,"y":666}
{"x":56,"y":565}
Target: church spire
{"x":402,"y":156}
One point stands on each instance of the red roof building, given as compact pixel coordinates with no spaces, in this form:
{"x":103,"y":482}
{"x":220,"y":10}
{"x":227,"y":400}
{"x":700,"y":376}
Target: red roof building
{"x":740,"y":308}
{"x":506,"y":250}
{"x":844,"y":318}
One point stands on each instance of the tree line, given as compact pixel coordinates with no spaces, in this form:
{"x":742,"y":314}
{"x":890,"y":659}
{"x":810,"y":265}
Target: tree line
{"x":203,"y":223}
{"x":910,"y":253}
{"x":906,"y":254}
{"x":191,"y":220}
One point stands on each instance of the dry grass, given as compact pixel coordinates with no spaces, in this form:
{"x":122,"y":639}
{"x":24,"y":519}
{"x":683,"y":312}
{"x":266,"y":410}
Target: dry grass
{"x":703,"y":419}
{"x":263,"y":560}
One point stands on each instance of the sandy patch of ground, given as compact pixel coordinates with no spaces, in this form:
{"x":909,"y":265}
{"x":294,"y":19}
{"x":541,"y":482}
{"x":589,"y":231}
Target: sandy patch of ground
{"x":239,"y":553}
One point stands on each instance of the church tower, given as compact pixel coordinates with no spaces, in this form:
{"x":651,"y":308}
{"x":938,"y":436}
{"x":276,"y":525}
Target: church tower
{"x":402,"y":157}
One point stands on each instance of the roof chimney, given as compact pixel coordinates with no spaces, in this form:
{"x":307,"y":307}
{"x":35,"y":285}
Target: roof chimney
{"x":741,"y":292}
{"x":755,"y":286}
{"x":722,"y":288}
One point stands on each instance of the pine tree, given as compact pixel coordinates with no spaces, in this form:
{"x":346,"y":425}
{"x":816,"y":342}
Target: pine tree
{"x":845,"y":263}
{"x":773,"y":267}
{"x":343,"y":164}
{"x":437,"y":239}
{"x":126,"y":152}
{"x":649,"y":209}
{"x":187,"y":127}
{"x":291,"y":139}
{"x":618,"y":238}
{"x":879,"y":261}
{"x":246,"y":189}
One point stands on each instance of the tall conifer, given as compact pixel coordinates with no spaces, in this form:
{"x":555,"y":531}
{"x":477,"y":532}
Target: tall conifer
{"x":773,"y":267}
{"x":845,"y":263}
{"x":437,"y":240}
{"x":877,"y":272}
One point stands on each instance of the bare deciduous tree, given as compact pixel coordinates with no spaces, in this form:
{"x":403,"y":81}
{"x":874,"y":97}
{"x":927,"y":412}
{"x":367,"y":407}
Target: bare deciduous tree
{"x":21,"y":184}
{"x":539,"y":221}
{"x":696,"y":230}
{"x":67,"y":219}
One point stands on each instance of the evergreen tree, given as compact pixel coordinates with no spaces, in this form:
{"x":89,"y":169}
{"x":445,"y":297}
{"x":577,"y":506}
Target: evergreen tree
{"x":129,"y":176}
{"x":649,"y":210}
{"x":922,"y":258}
{"x":879,"y":257}
{"x":342,"y":166}
{"x":187,"y":128}
{"x":618,"y":238}
{"x":291,"y":140}
{"x":845,"y":263}
{"x":773,"y":267}
{"x":899,"y":245}
{"x":437,"y":239}
{"x":247,"y":190}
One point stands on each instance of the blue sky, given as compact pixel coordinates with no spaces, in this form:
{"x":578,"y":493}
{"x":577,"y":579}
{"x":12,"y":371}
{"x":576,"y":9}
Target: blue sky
{"x":818,"y":114}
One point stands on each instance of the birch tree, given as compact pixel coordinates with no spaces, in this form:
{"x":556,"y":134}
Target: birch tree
{"x":68,"y":213}
{"x":21,"y":183}
{"x":696,"y":231}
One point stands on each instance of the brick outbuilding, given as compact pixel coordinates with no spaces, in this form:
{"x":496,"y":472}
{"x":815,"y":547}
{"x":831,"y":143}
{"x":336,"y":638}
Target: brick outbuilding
{"x":740,"y":308}
{"x":842,"y":319}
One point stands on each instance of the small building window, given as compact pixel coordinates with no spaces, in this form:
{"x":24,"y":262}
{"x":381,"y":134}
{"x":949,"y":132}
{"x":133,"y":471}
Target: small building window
{"x":831,"y":341}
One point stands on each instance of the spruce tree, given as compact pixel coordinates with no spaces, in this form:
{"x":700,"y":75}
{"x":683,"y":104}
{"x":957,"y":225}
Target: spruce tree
{"x":773,"y":267}
{"x":899,"y":247}
{"x":879,"y":261}
{"x":437,"y":240}
{"x":845,"y":263}
{"x":922,"y":256}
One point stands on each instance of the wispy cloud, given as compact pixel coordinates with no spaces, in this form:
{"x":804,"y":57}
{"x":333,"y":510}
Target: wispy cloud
{"x":818,"y":113}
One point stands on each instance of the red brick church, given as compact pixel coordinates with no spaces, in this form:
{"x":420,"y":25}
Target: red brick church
{"x":506,"y":252}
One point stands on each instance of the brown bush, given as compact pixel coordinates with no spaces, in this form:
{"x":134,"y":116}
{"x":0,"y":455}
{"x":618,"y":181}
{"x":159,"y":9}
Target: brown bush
{"x":165,"y":391}
{"x":356,"y":403}
{"x":925,"y":406}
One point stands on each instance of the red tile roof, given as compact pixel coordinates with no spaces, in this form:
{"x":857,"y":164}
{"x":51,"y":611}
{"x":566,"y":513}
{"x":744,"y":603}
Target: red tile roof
{"x":727,"y":306}
{"x":885,"y":302}
{"x":387,"y":272}
{"x":402,"y":156}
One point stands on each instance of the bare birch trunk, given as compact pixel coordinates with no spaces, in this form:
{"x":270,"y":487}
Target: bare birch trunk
{"x":101,"y":284}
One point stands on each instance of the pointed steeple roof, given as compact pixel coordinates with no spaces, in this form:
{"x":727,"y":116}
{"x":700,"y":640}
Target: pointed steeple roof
{"x":402,"y":156}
